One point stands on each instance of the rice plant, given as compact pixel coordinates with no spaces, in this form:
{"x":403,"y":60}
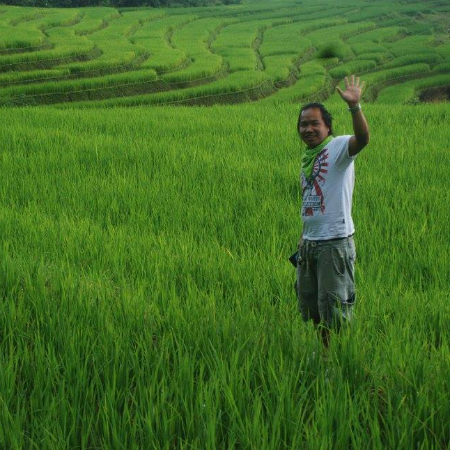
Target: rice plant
{"x":147,"y":299}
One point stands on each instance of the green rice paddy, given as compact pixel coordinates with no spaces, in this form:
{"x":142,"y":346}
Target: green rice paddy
{"x":147,"y":301}
{"x":187,"y":50}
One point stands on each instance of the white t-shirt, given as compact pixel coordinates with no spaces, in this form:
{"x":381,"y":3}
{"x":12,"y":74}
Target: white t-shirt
{"x":327,"y":195}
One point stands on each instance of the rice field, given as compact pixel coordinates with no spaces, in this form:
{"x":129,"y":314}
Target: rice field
{"x":147,"y":300}
{"x":187,"y":50}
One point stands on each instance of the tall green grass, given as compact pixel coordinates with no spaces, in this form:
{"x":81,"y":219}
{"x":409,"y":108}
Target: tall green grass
{"x":147,"y":300}
{"x":11,"y":37}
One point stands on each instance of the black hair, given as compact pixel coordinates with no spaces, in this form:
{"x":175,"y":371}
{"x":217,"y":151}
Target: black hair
{"x":326,"y":115}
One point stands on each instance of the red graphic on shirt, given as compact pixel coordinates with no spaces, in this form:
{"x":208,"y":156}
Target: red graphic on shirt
{"x":313,"y":199}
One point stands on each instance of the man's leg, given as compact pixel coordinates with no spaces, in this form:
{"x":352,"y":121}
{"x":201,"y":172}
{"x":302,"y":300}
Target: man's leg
{"x":307,"y":291}
{"x":335,"y":275}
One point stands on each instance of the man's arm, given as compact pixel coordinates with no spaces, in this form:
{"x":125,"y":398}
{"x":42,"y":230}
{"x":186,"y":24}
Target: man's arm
{"x":352,"y":96}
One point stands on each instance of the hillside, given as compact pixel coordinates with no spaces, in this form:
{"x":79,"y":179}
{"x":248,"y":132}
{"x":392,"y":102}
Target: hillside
{"x":277,"y":51}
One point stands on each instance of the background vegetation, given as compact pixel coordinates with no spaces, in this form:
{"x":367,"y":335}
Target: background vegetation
{"x":146,"y":298}
{"x":276,"y":51}
{"x":117,"y":3}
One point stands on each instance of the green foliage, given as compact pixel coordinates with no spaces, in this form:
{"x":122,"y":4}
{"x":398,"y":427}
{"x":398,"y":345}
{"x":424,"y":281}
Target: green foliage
{"x":189,"y":48}
{"x":285,"y":39}
{"x":239,"y":58}
{"x":379,"y":35}
{"x":397,"y":72}
{"x":235,"y":43}
{"x":329,"y":41}
{"x":18,"y":94}
{"x":278,"y":67}
{"x":312,"y":80}
{"x":407,"y":91}
{"x":48,"y":57}
{"x":367,"y":47}
{"x":336,"y":49}
{"x":444,"y":67}
{"x":193,"y":39}
{"x":235,"y":83}
{"x":148,"y":300}
{"x":328,"y":34}
{"x":154,"y":38}
{"x":13,"y":37}
{"x":32,"y":75}
{"x":356,"y":66}
{"x":411,"y":44}
{"x":377,"y":57}
{"x":118,"y":3}
{"x":411,"y":59}
{"x":444,"y":50}
{"x":94,"y":19}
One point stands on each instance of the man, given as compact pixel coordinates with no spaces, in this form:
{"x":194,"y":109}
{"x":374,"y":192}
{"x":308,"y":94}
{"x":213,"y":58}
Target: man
{"x":326,"y":257}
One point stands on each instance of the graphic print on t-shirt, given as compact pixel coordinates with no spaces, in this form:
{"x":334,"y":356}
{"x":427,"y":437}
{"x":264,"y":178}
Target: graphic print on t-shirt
{"x":313,"y":200}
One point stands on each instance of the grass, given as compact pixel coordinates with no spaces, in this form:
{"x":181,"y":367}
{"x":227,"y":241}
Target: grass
{"x":32,"y":76}
{"x":397,"y":72}
{"x":11,"y":38}
{"x":367,"y":47}
{"x":193,"y":39}
{"x":20,"y":94}
{"x":239,"y":59}
{"x":352,"y":67}
{"x":232,"y":84}
{"x":94,"y":19}
{"x":412,"y":59}
{"x":419,"y":44}
{"x":279,"y":67}
{"x":409,"y":90}
{"x":235,"y":44}
{"x":379,"y":35}
{"x":378,"y":57}
{"x":154,"y":38}
{"x":147,"y":299}
{"x":193,"y":46}
{"x":312,"y":80}
{"x":47,"y":57}
{"x":284,"y":39}
{"x":146,"y":296}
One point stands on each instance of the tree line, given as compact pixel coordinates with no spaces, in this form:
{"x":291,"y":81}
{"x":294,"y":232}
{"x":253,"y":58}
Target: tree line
{"x":117,"y":3}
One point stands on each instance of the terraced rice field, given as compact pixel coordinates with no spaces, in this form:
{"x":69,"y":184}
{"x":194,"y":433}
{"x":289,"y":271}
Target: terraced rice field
{"x":259,"y":50}
{"x":146,"y":298}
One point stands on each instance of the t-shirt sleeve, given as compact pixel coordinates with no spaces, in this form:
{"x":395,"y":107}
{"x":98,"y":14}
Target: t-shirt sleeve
{"x":343,"y":159}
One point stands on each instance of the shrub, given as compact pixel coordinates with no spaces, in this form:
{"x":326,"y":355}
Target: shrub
{"x":337,"y":49}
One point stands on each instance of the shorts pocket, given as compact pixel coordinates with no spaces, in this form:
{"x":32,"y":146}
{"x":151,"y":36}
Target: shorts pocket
{"x":352,"y":251}
{"x":338,"y":260}
{"x":339,"y":306}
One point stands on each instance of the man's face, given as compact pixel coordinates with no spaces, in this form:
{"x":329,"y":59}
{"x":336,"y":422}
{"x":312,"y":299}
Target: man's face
{"x":312,"y":127}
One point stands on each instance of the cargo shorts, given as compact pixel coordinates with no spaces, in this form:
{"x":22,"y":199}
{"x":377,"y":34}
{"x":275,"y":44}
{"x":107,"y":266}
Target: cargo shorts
{"x":325,"y":280}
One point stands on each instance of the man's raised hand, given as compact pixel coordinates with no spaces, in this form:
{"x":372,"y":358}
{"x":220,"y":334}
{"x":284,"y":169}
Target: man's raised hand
{"x":352,"y":93}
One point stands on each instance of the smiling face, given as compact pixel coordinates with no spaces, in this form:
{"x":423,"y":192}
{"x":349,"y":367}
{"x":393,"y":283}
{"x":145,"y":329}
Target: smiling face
{"x":312,"y":128}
